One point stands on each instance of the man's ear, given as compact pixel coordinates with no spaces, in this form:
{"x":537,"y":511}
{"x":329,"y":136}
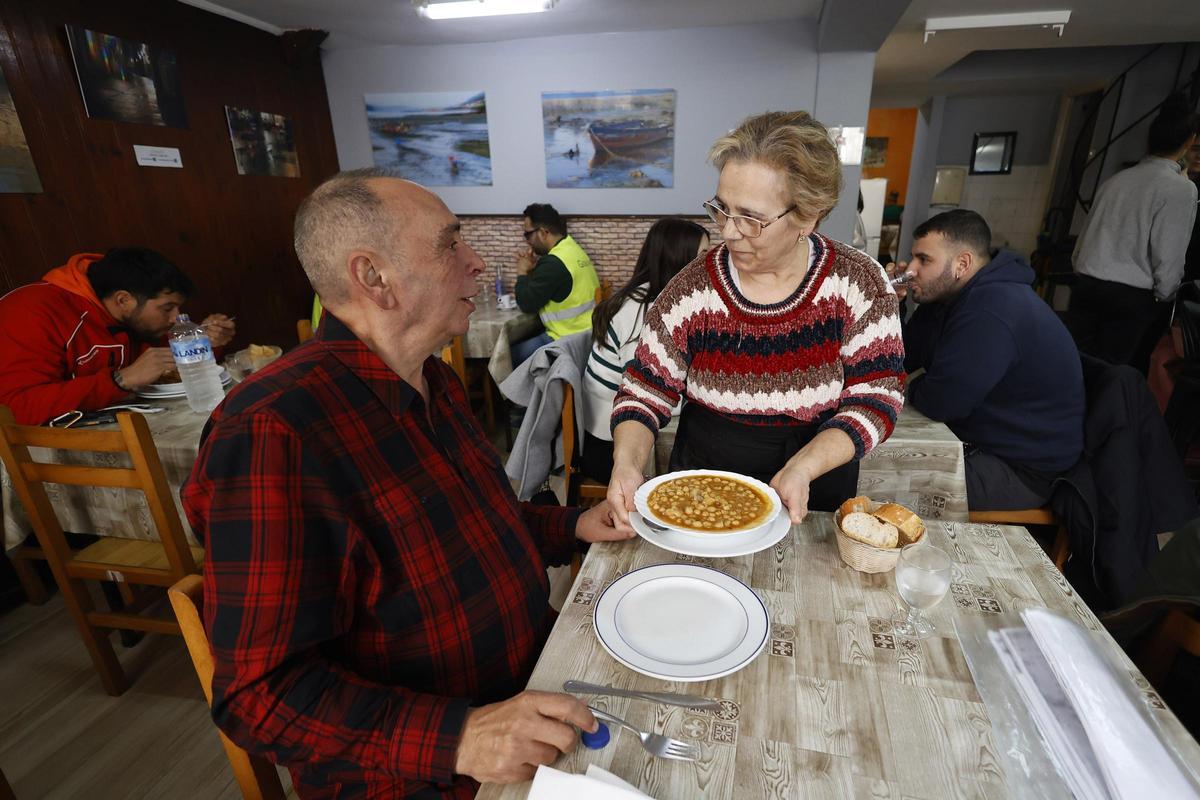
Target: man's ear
{"x":963,"y":263}
{"x":365,"y":270}
{"x":123,"y":300}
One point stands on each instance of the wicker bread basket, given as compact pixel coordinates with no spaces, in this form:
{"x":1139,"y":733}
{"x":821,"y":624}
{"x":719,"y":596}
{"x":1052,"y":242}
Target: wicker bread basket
{"x":861,"y":556}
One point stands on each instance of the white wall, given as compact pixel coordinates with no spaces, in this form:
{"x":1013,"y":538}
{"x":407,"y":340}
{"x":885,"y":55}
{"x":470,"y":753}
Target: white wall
{"x":844,"y":98}
{"x":721,"y":75}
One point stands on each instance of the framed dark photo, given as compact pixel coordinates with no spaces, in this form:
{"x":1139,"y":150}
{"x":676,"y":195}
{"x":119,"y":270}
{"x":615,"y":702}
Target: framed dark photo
{"x":127,"y":81}
{"x":992,"y":153}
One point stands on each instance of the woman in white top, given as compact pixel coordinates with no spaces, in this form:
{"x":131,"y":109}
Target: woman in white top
{"x":671,"y":244}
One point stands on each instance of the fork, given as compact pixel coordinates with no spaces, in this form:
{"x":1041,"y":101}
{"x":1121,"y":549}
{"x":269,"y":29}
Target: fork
{"x":655,"y":743}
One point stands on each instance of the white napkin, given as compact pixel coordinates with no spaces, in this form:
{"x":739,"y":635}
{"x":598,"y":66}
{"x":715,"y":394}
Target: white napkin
{"x":597,"y":784}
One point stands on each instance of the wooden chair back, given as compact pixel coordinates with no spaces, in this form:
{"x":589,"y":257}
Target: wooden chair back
{"x":256,"y":777}
{"x":581,"y":491}
{"x":1177,"y":630}
{"x":1060,"y":552}
{"x":452,"y":354}
{"x":304,"y":330}
{"x":603,"y":291}
{"x":125,"y":561}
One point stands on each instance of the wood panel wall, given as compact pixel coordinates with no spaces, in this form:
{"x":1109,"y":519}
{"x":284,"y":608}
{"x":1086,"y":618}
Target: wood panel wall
{"x":231,"y":233}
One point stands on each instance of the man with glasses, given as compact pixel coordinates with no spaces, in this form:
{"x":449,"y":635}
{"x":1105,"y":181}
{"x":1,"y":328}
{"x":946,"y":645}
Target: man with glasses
{"x":555,"y":279}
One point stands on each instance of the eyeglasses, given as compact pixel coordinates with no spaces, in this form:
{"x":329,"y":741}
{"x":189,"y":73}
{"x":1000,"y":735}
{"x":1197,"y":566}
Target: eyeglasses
{"x":529,"y":233}
{"x":749,"y":227}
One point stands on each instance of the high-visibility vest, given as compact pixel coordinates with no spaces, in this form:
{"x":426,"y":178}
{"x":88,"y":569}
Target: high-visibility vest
{"x":572,"y":314}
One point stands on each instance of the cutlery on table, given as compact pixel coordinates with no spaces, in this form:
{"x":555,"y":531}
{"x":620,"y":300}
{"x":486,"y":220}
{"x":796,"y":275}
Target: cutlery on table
{"x":655,"y":743}
{"x":668,"y":698}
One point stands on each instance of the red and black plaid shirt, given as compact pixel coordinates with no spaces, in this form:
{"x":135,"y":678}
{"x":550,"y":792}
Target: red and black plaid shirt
{"x":369,"y":575}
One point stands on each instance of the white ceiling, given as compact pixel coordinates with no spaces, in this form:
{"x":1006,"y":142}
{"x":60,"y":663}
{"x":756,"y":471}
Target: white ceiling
{"x":907,"y":70}
{"x":358,"y":23}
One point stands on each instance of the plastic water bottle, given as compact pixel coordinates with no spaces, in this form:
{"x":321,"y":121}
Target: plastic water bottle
{"x":197,"y":366}
{"x":499,"y":283}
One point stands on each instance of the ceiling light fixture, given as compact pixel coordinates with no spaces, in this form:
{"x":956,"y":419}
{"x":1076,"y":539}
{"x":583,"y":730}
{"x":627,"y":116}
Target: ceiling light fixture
{"x":1046,"y":19}
{"x":461,"y":9}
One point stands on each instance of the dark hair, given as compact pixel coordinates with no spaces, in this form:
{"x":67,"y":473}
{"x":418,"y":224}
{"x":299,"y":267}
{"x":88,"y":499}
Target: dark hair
{"x":670,"y":246}
{"x":1172,"y":128}
{"x":959,"y":225}
{"x":141,"y":272}
{"x":543,"y":215}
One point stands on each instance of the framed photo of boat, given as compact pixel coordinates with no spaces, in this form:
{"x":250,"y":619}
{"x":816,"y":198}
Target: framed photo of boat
{"x":609,"y":139}
{"x":433,"y":138}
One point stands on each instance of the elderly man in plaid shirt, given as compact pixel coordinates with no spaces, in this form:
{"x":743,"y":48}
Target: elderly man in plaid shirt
{"x":375,"y":594}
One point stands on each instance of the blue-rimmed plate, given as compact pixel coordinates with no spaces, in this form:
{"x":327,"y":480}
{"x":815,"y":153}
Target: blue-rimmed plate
{"x":681,"y":622}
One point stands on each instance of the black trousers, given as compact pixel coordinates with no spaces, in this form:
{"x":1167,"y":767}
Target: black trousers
{"x":707,"y":440}
{"x":1110,"y":320}
{"x":993,"y":485}
{"x":597,"y":459}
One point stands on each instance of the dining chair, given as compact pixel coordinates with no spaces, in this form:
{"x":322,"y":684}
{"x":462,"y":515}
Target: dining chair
{"x":127,"y":562}
{"x":1176,"y":631}
{"x":452,"y":354}
{"x":304,"y":330}
{"x":256,"y":777}
{"x":580,"y":490}
{"x":1060,"y":551}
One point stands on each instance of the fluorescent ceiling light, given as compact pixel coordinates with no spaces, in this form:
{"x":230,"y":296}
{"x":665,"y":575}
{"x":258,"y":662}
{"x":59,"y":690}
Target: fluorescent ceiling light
{"x":460,"y":9}
{"x":1024,"y":19}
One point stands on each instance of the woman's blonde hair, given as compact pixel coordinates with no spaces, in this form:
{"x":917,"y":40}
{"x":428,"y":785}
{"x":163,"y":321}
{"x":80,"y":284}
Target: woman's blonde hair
{"x":795,"y":144}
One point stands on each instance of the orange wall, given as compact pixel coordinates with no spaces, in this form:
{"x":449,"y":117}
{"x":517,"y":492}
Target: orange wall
{"x":899,"y":126}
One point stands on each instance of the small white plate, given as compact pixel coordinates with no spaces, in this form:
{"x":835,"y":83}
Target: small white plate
{"x":643,"y":492}
{"x":714,"y":545}
{"x":681,"y":622}
{"x":167,"y":391}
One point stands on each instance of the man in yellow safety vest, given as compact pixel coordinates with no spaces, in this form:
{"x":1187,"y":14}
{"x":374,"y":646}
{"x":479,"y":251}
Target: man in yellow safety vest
{"x":555,"y":278}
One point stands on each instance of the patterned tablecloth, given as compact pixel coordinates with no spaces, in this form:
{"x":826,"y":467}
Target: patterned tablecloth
{"x":838,"y":704}
{"x":920,"y":466}
{"x":113,"y":512}
{"x":491,"y":333}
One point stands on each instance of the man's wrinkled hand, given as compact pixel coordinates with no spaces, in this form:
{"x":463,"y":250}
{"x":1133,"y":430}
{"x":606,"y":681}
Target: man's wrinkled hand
{"x":506,"y":741}
{"x":598,"y":525}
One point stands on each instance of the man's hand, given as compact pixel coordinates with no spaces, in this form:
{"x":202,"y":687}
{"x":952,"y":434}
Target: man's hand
{"x":220,"y":329}
{"x":597,"y":525}
{"x":149,"y":367}
{"x":622,"y":485}
{"x":791,"y":483}
{"x":525,"y":261}
{"x":893,"y":269}
{"x":506,"y":741}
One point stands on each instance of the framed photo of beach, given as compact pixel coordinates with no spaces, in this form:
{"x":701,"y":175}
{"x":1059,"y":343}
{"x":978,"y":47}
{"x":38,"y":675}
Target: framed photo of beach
{"x":609,"y":139}
{"x":433,"y":138}
{"x":17,"y":171}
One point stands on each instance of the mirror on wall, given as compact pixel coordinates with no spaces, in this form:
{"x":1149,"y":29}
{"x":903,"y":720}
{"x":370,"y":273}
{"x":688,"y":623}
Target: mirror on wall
{"x":992,"y":153}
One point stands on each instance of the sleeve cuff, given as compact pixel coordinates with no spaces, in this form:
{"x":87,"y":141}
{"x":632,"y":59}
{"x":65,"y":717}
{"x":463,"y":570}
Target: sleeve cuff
{"x":631,"y":415}
{"x":852,"y":430}
{"x":425,"y":740}
{"x":554,"y":527}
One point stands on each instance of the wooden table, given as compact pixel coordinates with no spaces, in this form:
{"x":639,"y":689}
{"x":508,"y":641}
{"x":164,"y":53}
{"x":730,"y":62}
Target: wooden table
{"x":114,"y":512}
{"x":920,"y":466}
{"x":837,"y":705}
{"x":492,"y":331}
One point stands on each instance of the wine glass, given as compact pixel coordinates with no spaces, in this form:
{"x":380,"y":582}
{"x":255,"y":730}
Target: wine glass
{"x":923,"y":578}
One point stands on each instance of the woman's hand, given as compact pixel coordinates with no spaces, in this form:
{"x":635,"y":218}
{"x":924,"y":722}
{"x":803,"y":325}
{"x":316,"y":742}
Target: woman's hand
{"x":622,"y":486}
{"x":596,"y":524}
{"x":791,"y":483}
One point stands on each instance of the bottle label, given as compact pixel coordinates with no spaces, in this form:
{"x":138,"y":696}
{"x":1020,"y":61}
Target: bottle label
{"x":193,"y":351}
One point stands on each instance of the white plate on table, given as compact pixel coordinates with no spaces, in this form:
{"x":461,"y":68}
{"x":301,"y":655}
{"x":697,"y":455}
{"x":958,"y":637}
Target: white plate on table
{"x":640,"y":501}
{"x":681,"y":622}
{"x":167,"y":391}
{"x":715,"y":545}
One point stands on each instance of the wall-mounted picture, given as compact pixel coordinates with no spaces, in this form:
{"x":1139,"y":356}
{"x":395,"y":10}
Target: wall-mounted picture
{"x":127,"y":81}
{"x":17,"y":172}
{"x":433,"y":138}
{"x":609,"y":139}
{"x":263,"y":143}
{"x":875,"y":151}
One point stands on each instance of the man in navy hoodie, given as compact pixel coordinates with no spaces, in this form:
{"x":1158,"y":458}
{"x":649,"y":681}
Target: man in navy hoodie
{"x":1000,"y":368}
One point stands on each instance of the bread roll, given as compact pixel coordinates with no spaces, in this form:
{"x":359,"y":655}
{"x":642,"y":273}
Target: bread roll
{"x":907,"y":523}
{"x":870,"y":530}
{"x":860,"y":503}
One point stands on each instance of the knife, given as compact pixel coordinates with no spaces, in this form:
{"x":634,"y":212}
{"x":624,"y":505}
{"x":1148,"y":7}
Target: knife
{"x":668,"y":698}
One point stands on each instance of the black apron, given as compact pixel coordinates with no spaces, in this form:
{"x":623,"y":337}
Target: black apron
{"x":707,"y":440}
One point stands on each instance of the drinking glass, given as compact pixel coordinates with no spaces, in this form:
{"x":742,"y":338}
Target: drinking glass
{"x":922,"y":578}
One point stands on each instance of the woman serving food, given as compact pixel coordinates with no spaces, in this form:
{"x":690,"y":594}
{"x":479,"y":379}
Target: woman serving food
{"x":784,"y":344}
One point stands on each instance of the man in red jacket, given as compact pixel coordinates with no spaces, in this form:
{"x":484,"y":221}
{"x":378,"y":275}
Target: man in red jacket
{"x":81,"y":338}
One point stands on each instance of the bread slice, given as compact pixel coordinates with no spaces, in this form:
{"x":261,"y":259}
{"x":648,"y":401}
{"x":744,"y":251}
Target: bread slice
{"x":907,"y":523}
{"x":860,"y":503}
{"x":870,"y":530}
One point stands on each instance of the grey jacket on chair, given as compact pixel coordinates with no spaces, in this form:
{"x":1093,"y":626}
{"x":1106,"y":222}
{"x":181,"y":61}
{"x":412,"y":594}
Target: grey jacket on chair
{"x":537,"y":385}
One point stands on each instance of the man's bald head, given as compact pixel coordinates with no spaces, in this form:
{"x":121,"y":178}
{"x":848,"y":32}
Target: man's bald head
{"x":353,"y":210}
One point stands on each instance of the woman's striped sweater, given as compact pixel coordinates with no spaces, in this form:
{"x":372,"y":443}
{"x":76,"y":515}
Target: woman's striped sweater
{"x":830,"y":354}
